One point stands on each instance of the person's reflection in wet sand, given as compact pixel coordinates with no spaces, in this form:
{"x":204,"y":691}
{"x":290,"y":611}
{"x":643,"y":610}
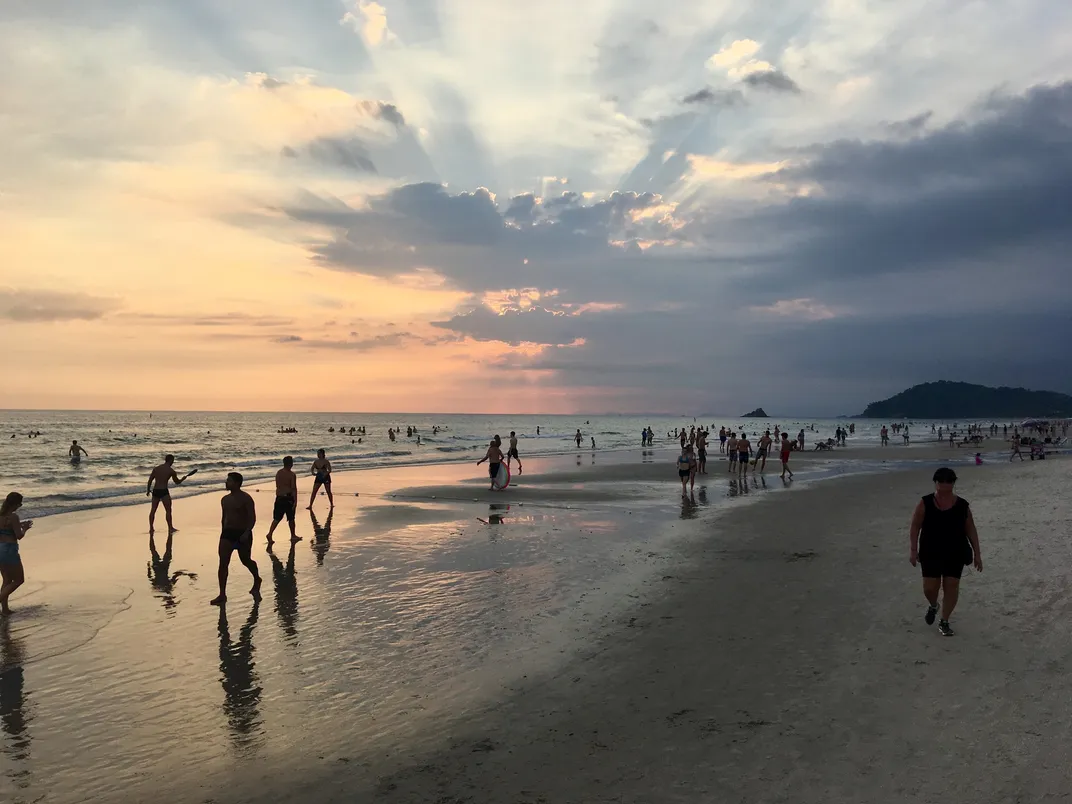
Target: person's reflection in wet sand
{"x":241,"y":686}
{"x":495,"y":518}
{"x":321,"y":541}
{"x":14,"y":711}
{"x":688,"y":507}
{"x":702,"y":494}
{"x":286,"y":592}
{"x":160,"y":576}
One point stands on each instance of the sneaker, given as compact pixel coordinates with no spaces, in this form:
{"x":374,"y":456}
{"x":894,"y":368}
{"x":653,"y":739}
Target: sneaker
{"x":944,"y":629}
{"x":932,"y":612}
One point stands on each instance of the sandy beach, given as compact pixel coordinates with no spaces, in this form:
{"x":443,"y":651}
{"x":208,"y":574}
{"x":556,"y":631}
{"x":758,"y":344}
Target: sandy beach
{"x":587,"y":636}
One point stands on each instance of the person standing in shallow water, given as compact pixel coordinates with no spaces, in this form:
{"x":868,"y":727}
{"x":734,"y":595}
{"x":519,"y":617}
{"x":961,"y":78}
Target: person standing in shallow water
{"x":322,"y":469}
{"x":236,"y":533}
{"x":943,"y":540}
{"x":11,"y":531}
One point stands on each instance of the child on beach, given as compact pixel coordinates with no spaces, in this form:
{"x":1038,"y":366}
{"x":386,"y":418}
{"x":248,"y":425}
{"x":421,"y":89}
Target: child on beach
{"x":978,"y":459}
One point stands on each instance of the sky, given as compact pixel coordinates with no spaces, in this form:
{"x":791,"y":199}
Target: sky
{"x":560,"y":207}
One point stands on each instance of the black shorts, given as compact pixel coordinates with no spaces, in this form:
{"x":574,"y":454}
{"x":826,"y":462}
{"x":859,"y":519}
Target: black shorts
{"x":513,"y":453}
{"x":683,"y":473}
{"x":323,"y":479}
{"x":703,"y":455}
{"x":493,"y":470}
{"x":161,"y":494}
{"x":942,"y":567}
{"x":284,"y":507}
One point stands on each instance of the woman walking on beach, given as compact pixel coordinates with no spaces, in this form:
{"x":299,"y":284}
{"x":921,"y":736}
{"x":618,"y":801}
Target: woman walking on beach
{"x":943,"y":540}
{"x":11,"y":530}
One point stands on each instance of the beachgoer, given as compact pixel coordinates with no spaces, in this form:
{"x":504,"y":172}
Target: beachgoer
{"x":701,"y":452}
{"x":722,"y":436}
{"x":684,"y":470}
{"x":761,"y":453}
{"x":157,"y":488}
{"x":12,"y":529}
{"x":593,"y":447}
{"x":1016,"y":448}
{"x":731,"y":450}
{"x":943,"y":540}
{"x":577,"y":438}
{"x":978,"y":459}
{"x":512,"y":452}
{"x":786,"y":448}
{"x":322,"y":469}
{"x":884,"y":434}
{"x":236,"y":533}
{"x":494,"y":456}
{"x":800,"y":440}
{"x":286,"y":498}
{"x":744,"y":452}
{"x":76,"y":452}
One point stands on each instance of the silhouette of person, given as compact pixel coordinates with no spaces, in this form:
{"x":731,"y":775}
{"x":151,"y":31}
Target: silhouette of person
{"x":321,"y":541}
{"x":241,"y":685}
{"x":286,"y":592}
{"x":14,"y":713}
{"x":158,"y":568}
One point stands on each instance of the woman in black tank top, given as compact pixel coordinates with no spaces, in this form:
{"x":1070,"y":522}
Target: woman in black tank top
{"x":943,"y":540}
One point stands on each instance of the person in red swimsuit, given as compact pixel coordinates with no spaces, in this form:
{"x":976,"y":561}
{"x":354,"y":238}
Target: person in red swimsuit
{"x":786,"y":447}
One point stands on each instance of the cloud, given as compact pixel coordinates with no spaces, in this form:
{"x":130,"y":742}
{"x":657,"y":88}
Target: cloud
{"x":803,"y":309}
{"x":343,"y":152}
{"x":774,"y":80}
{"x":912,"y":125}
{"x":715,"y":97}
{"x":38,"y":306}
{"x":384,"y":111}
{"x":735,"y":53}
{"x":352,"y":345}
{"x":369,"y":19}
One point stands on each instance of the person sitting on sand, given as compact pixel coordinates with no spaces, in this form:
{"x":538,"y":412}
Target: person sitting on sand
{"x":322,"y":469}
{"x":158,"y":488}
{"x":286,"y":498}
{"x":11,"y":531}
{"x":943,"y":540}
{"x":239,"y":517}
{"x":495,"y":457}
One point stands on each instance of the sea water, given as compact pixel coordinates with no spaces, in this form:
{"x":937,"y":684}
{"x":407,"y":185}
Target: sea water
{"x":123,"y":446}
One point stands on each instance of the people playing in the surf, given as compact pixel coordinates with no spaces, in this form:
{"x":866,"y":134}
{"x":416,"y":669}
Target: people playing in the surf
{"x":321,"y":468}
{"x":12,"y":529}
{"x":512,"y":452}
{"x":76,"y":452}
{"x":761,"y":452}
{"x":744,"y":452}
{"x":701,"y":452}
{"x":577,"y":438}
{"x":786,"y":448}
{"x":157,"y":488}
{"x":236,"y":533}
{"x":494,"y":456}
{"x":286,"y":498}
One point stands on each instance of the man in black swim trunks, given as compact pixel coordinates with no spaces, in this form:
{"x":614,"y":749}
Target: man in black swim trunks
{"x":512,"y":452}
{"x":286,"y":498}
{"x":239,"y":517}
{"x":158,"y":488}
{"x":494,"y":456}
{"x":943,"y":540}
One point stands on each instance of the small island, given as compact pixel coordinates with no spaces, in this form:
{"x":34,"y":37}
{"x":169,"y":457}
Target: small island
{"x":758,"y":413}
{"x":947,"y":400}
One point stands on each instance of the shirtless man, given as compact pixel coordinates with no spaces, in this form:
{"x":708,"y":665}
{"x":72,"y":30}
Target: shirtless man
{"x":701,"y":452}
{"x":764,"y":447}
{"x":286,"y":498}
{"x":744,"y":451}
{"x":76,"y":452}
{"x":322,"y":469}
{"x":722,"y":436}
{"x":786,"y":446}
{"x":158,"y":489}
{"x":236,"y":533}
{"x":731,"y":450}
{"x":494,"y":456}
{"x":512,"y":452}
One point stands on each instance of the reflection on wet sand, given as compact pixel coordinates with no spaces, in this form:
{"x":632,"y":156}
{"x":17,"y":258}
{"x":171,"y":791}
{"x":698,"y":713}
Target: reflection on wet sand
{"x":321,"y":541}
{"x":14,"y":712}
{"x":158,"y":570}
{"x":688,"y":507}
{"x":286,"y":592}
{"x":241,"y":685}
{"x":497,"y":514}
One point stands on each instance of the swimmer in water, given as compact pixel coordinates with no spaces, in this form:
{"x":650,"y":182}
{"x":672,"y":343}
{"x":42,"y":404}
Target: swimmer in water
{"x":76,"y":452}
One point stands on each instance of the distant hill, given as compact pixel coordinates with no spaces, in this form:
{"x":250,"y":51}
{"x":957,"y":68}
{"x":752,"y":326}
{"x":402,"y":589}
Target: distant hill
{"x":962,"y":400}
{"x":758,"y":413}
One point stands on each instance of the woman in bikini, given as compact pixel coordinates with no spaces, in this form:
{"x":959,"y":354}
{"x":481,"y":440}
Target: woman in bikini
{"x":11,"y":531}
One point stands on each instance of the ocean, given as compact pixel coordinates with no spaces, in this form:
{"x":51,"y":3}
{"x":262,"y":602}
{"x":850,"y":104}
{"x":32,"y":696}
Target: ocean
{"x":124,"y":446}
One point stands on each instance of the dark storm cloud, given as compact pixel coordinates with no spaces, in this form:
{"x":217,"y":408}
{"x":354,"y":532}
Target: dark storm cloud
{"x":912,"y":125}
{"x":716,"y":97}
{"x":515,"y":327}
{"x":774,"y":80}
{"x":39,"y":306}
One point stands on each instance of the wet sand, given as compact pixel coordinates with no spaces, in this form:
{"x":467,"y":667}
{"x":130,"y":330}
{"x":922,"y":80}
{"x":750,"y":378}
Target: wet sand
{"x":621,"y":644}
